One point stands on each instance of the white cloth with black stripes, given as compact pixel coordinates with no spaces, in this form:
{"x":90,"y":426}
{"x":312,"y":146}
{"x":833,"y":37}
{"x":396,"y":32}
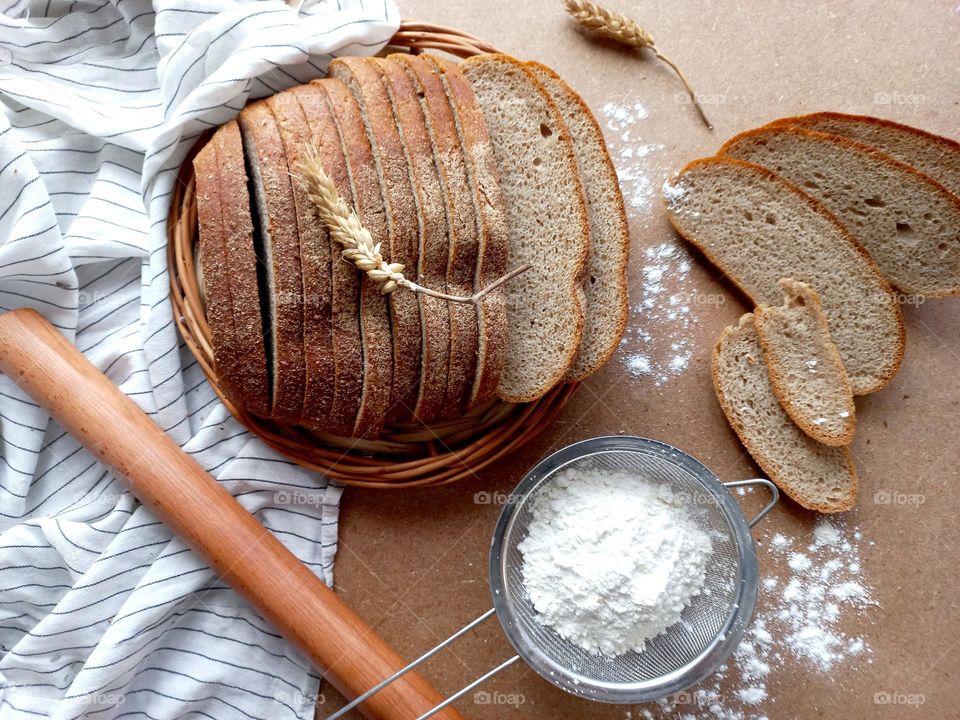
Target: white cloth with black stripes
{"x":103,"y":614}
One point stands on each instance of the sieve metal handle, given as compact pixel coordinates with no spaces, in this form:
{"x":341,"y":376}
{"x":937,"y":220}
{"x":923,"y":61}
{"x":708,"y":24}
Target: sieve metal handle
{"x":774,"y":492}
{"x":423,"y":658}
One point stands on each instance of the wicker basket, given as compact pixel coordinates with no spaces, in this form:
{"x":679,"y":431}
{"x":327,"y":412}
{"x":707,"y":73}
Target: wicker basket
{"x":406,"y":455}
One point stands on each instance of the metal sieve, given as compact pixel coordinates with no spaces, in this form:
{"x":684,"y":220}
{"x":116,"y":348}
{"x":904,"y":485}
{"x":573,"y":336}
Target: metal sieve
{"x":686,"y":653}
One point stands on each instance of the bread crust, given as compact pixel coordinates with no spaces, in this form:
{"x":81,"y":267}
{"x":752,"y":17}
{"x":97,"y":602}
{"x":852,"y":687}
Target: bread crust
{"x":780,"y":384}
{"x":398,"y":203}
{"x":493,"y":244}
{"x":883,"y":380}
{"x":347,"y":343}
{"x":257,"y":124}
{"x":768,"y":468}
{"x":578,"y":205}
{"x":375,"y":328}
{"x":315,"y":259}
{"x":584,"y":366}
{"x":809,"y":122}
{"x":857,"y":147}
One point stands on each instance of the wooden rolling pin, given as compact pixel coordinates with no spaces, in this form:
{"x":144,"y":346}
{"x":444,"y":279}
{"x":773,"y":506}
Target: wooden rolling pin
{"x":192,"y":504}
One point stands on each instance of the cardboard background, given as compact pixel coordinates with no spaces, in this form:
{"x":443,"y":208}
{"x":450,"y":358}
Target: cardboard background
{"x":414,"y":563}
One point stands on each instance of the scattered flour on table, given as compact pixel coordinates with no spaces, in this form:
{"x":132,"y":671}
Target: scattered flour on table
{"x":629,"y":148}
{"x":658,"y":345}
{"x":610,"y":559}
{"x":799,"y":621}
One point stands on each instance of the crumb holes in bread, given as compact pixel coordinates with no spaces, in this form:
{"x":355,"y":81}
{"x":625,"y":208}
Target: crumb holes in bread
{"x":874,"y":202}
{"x":747,"y":215}
{"x":906,"y":234}
{"x":537,"y":162}
{"x":771,"y":219}
{"x":545,"y":130}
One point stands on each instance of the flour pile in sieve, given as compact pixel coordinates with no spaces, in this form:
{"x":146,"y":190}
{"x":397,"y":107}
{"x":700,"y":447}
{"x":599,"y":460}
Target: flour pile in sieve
{"x":610,"y":559}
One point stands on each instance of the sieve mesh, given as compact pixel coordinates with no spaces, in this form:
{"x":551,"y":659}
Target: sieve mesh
{"x":709,"y":627}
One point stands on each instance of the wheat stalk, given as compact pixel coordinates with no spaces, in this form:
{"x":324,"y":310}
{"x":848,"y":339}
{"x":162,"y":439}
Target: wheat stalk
{"x":358,"y":246}
{"x":624,"y":30}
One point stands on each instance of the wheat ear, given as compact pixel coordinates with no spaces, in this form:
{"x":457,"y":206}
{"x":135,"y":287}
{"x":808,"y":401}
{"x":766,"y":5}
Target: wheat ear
{"x":358,"y":246}
{"x":624,"y":30}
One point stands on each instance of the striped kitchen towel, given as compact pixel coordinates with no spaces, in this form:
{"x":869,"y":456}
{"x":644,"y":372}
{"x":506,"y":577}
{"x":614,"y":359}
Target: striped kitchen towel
{"x":102,"y":613}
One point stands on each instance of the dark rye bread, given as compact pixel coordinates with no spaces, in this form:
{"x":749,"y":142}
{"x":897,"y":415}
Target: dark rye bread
{"x":908,"y":223}
{"x":464,"y":226}
{"x":935,"y":156}
{"x":315,"y":260}
{"x":758,"y":228}
{"x":489,"y":205}
{"x":227,"y":266}
{"x":347,"y":343}
{"x":435,"y":236}
{"x":817,"y":476}
{"x":433,"y":249}
{"x":547,"y":218}
{"x":375,"y":329}
{"x":605,"y":283}
{"x":273,"y":207}
{"x":399,"y":209}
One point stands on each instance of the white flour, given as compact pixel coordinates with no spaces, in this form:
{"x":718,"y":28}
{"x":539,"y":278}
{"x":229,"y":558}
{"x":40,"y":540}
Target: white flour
{"x":610,"y":559}
{"x":798,"y":625}
{"x":659,"y":345}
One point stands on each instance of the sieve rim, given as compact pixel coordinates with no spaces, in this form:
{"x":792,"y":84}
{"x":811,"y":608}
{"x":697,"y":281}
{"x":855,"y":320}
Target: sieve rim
{"x":691,"y":673}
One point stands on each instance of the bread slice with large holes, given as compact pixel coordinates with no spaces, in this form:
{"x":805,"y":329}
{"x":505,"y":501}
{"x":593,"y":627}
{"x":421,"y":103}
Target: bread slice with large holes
{"x":349,"y":376}
{"x":806,"y":372}
{"x":935,"y":156}
{"x":227,"y":264}
{"x":758,"y":228}
{"x":547,"y":218}
{"x":908,"y":223}
{"x":605,"y":282}
{"x":315,"y":257}
{"x":275,"y":215}
{"x":379,"y":337}
{"x":817,"y":476}
{"x":488,"y":204}
{"x":399,"y":211}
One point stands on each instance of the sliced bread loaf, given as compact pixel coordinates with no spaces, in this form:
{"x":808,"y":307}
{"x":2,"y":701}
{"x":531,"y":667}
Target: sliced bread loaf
{"x":490,"y":209}
{"x":908,"y":223}
{"x":758,"y":228}
{"x":605,"y":283}
{"x":547,"y":218}
{"x":274,"y":213}
{"x":319,"y":368}
{"x":935,"y":156}
{"x":227,"y":270}
{"x":444,"y":373}
{"x":398,"y":212}
{"x":806,"y":372}
{"x":347,"y":342}
{"x":375,"y":325}
{"x":817,"y":476}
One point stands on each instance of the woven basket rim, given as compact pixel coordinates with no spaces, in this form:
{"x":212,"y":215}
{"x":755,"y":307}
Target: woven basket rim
{"x":405,"y":455}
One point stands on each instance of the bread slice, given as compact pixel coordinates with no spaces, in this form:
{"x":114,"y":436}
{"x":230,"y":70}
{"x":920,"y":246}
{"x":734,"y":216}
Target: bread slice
{"x":399,"y":206}
{"x":275,"y":215}
{"x":348,"y":378}
{"x":227,"y":270}
{"x":806,"y":372}
{"x":758,"y":228}
{"x":319,"y":367}
{"x":934,"y":156}
{"x":605,"y":284}
{"x":908,"y":223}
{"x":375,"y":326}
{"x":817,"y":476}
{"x":490,"y":208}
{"x":436,"y":236}
{"x":547,"y":218}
